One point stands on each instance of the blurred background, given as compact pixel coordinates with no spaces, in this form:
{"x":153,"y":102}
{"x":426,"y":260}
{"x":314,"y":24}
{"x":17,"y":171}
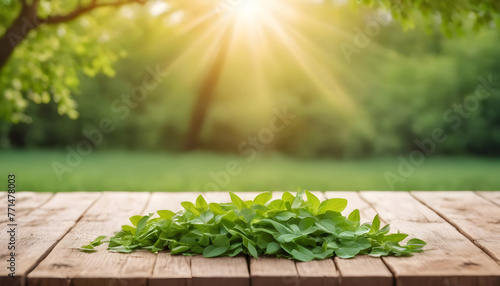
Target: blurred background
{"x":276,"y":95}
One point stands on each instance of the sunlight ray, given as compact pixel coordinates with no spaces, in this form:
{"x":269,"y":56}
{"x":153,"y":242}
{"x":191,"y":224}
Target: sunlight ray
{"x":312,"y":69}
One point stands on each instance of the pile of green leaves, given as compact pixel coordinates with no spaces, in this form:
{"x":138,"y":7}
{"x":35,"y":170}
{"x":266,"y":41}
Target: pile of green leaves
{"x":288,"y":227}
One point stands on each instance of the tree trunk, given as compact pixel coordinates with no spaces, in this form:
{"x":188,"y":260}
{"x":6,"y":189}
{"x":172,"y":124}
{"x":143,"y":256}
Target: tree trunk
{"x":206,"y":94}
{"x":26,"y":21}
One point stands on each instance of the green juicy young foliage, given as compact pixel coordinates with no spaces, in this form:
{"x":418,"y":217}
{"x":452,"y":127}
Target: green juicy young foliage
{"x":289,"y":227}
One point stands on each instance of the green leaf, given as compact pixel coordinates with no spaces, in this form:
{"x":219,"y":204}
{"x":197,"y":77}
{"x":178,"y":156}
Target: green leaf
{"x":98,"y":240}
{"x":252,"y":250}
{"x":277,"y":205}
{"x":121,"y":249}
{"x":263,"y":198}
{"x":239,"y":203}
{"x":87,"y":248}
{"x":362,"y":230}
{"x":287,"y":197}
{"x":354,"y":216}
{"x":284,"y":216}
{"x":326,"y":225}
{"x":379,"y":251}
{"x":279,"y":227}
{"x":214,"y":251}
{"x":142,"y":223}
{"x":179,"y":249}
{"x":346,"y":251}
{"x":189,"y":206}
{"x":284,"y":238}
{"x":216,"y":209}
{"x":250,"y":247}
{"x":221,"y":240}
{"x":201,"y":204}
{"x":313,"y":202}
{"x":135,"y":219}
{"x":334,"y":205}
{"x":273,"y":248}
{"x":298,"y":201}
{"x":376,"y":223}
{"x":416,"y":243}
{"x":395,"y":237}
{"x":166,"y":214}
{"x":302,"y":254}
{"x":306,"y":223}
{"x":385,"y":229}
{"x":129,"y":228}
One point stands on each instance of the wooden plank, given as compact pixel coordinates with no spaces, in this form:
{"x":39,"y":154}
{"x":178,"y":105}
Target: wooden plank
{"x":38,"y":230}
{"x":271,"y":271}
{"x":491,"y":196}
{"x":220,"y":270}
{"x":474,"y":216}
{"x":450,"y":259}
{"x":374,"y":271}
{"x":317,"y":272}
{"x":67,"y":265}
{"x":26,"y":202}
{"x":174,"y":270}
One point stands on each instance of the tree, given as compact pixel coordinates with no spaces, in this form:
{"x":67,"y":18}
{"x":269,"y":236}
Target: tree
{"x":23,"y":79}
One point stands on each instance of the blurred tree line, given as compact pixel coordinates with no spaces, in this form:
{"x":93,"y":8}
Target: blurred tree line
{"x":395,"y":90}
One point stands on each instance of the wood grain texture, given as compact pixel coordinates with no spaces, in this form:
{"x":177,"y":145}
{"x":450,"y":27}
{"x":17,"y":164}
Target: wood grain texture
{"x":67,"y":265}
{"x":42,"y":224}
{"x":474,"y":216}
{"x":450,"y":259}
{"x":169,"y":269}
{"x":374,"y":271}
{"x":491,"y":196}
{"x":26,"y":202}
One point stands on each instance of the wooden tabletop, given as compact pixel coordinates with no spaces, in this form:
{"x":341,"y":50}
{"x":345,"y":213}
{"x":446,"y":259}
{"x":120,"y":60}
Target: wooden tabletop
{"x":462,"y":230}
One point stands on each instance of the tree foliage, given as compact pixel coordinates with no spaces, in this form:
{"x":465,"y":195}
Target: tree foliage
{"x":450,"y":14}
{"x":49,"y":53}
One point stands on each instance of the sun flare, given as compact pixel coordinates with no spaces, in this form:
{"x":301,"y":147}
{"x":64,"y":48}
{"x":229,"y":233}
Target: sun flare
{"x":269,"y":39}
{"x":249,"y":10}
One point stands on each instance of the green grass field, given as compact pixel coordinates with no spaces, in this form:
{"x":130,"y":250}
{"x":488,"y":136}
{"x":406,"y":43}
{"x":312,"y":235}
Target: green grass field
{"x":129,"y":171}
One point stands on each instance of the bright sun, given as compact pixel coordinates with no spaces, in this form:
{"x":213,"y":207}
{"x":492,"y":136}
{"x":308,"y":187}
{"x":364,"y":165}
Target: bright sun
{"x":249,"y":10}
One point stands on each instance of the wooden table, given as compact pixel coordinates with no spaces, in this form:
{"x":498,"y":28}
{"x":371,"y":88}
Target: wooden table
{"x":462,"y":230}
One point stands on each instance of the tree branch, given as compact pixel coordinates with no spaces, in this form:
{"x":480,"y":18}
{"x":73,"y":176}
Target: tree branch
{"x":82,"y":10}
